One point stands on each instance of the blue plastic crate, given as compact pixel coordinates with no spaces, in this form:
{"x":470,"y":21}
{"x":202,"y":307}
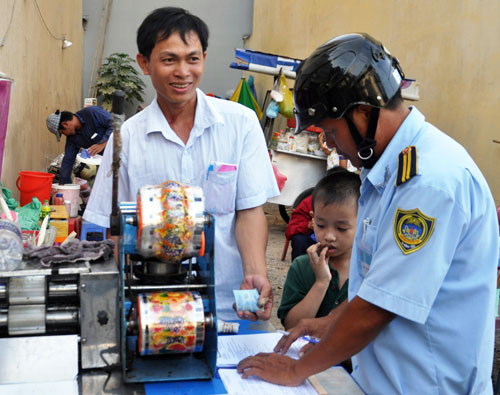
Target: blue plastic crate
{"x":92,"y":232}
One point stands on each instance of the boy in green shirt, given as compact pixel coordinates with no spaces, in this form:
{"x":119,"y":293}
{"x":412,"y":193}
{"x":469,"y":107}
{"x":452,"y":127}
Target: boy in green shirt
{"x":317,"y":283}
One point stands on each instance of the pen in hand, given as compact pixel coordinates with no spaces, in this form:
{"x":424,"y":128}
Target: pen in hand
{"x":306,"y":338}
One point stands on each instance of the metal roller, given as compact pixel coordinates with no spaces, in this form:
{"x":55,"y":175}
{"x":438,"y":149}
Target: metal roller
{"x":26,"y":320}
{"x":56,"y":290}
{"x":62,"y":317}
{"x":27,"y":290}
{"x":62,"y":290}
{"x":55,"y":318}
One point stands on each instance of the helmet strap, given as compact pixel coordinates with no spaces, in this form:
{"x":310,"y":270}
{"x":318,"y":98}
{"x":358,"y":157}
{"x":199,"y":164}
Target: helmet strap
{"x":365,"y":145}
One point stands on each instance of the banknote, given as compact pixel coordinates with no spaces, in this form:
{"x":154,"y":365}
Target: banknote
{"x":246,"y":299}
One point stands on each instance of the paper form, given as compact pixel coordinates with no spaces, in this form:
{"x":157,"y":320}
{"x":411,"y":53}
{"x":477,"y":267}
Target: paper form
{"x":232,"y":349}
{"x":235,"y":385}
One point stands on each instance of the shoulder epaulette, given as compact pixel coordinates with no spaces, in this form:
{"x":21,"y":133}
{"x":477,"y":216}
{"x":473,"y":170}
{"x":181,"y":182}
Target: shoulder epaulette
{"x":407,"y":164}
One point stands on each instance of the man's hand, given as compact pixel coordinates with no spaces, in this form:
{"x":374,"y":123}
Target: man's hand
{"x":273,"y":368}
{"x":319,"y":263}
{"x":266,"y":297}
{"x":315,"y":327}
{"x":323,"y":143}
{"x":251,"y":237}
{"x":96,"y":148}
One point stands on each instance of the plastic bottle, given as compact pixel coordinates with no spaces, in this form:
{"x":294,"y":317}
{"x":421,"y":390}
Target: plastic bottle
{"x":58,"y":200}
{"x":45,"y":211}
{"x":313,"y":143}
{"x":282,"y":141}
{"x":291,"y":143}
{"x":67,"y":203}
{"x":274,"y":140}
{"x":11,"y":245}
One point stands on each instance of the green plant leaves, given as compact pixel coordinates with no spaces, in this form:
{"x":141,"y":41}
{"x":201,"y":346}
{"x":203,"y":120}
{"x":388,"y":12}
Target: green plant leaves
{"x":118,"y":72}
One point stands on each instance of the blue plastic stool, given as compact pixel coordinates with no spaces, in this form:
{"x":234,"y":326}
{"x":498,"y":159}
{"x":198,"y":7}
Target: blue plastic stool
{"x":92,"y":232}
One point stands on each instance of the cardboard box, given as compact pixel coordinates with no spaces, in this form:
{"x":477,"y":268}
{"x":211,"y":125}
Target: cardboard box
{"x":61,"y":225}
{"x":59,"y":220}
{"x":58,"y":212}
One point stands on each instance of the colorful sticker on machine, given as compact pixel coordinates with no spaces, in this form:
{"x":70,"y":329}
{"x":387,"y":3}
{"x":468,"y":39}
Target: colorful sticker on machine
{"x":170,"y":322}
{"x":412,"y":229}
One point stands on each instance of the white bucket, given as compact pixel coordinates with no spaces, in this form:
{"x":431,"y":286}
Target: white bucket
{"x":70,"y":192}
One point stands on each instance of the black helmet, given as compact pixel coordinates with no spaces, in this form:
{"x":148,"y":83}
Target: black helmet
{"x":345,"y":71}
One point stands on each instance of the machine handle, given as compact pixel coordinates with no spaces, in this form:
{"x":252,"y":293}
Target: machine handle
{"x":117,"y":117}
{"x":118,"y":103}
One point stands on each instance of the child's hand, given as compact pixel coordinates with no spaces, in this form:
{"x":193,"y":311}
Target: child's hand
{"x":318,"y":262}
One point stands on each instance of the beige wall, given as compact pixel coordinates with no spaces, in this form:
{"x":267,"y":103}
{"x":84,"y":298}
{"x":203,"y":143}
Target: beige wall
{"x":46,"y":78}
{"x":451,"y":47}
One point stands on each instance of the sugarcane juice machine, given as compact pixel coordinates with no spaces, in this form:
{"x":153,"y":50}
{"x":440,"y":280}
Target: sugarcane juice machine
{"x":56,"y":321}
{"x":166,"y":264}
{"x":153,"y":314}
{"x":167,"y":278}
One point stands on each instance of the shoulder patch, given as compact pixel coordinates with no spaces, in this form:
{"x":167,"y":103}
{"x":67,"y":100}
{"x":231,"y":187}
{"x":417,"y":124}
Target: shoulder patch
{"x":407,"y":164}
{"x":412,"y":229}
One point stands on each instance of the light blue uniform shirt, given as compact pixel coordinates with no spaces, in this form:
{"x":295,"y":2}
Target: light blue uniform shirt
{"x":223,"y":132}
{"x":443,"y":293}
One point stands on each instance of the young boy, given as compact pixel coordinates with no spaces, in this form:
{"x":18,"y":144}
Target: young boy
{"x":317,"y":283}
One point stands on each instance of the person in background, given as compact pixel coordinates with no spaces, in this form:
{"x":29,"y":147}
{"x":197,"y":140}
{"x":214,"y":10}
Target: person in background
{"x":333,"y":158}
{"x":317,"y":282}
{"x":422,"y":283}
{"x":186,"y":136}
{"x":300,"y":228}
{"x":88,"y":128}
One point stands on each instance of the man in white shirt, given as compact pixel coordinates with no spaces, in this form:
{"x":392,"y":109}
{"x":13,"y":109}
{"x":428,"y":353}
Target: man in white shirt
{"x":180,"y":136}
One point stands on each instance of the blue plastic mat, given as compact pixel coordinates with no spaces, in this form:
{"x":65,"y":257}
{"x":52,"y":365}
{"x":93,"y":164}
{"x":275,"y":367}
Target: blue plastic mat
{"x":197,"y":387}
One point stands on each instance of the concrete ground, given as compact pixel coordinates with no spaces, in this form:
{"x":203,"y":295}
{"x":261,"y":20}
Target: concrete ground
{"x":278,"y":270}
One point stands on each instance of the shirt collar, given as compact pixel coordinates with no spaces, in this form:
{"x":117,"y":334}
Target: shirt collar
{"x":386,"y":165}
{"x":205,"y":116}
{"x":80,"y":118}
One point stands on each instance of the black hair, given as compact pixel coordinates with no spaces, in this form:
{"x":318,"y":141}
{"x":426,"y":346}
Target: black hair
{"x":391,"y":105}
{"x":65,"y":116}
{"x":163,"y":22}
{"x":395,"y":101}
{"x":337,"y":186}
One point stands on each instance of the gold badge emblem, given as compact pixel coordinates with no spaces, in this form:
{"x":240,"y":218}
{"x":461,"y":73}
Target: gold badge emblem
{"x":412,"y":229}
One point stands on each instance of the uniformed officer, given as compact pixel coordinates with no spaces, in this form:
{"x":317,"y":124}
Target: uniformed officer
{"x":420,"y":317}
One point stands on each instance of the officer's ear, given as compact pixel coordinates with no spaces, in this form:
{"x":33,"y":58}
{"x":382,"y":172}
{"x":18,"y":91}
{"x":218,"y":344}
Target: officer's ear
{"x":361,"y":116}
{"x":362,"y":110}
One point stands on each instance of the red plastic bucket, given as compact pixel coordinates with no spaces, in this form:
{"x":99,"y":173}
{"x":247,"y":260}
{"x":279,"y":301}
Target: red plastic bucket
{"x":34,"y":184}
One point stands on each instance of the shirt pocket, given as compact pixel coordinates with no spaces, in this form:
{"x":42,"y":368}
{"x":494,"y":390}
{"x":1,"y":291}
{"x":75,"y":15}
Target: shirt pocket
{"x":365,"y":250}
{"x":220,"y":191}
